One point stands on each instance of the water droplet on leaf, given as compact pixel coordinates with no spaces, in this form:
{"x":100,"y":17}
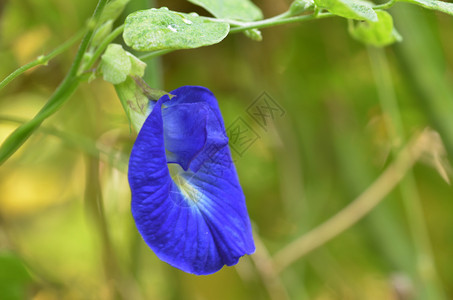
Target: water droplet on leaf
{"x":172,"y":28}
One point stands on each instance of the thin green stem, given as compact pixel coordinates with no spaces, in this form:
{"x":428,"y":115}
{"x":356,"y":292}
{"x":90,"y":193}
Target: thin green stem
{"x":61,"y":94}
{"x":281,"y":19}
{"x":287,"y":18}
{"x":154,"y":54}
{"x":115,"y":33}
{"x":277,"y":21}
{"x":42,"y":60}
{"x":86,"y":40}
{"x":115,"y":158}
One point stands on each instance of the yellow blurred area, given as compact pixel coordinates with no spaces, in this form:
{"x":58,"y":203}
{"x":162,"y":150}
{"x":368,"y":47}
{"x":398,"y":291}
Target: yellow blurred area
{"x":27,"y":190}
{"x":29,"y":45}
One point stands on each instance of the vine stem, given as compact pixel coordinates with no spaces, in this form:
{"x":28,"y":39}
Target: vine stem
{"x":61,"y":94}
{"x":43,"y":59}
{"x":276,"y":21}
{"x":115,"y":33}
{"x":263,"y":263}
{"x":357,"y":209}
{"x":281,"y":19}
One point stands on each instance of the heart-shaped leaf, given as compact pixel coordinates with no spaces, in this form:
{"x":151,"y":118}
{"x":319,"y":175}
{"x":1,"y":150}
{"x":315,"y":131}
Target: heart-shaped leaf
{"x":157,"y":29}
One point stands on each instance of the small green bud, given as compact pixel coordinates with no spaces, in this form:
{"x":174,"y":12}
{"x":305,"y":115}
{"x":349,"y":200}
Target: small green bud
{"x":254,"y":34}
{"x":42,"y":60}
{"x":300,"y":6}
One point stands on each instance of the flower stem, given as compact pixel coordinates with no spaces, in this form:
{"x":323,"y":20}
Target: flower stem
{"x":42,"y":60}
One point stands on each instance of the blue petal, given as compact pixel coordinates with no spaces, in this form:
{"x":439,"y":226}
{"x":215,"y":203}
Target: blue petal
{"x":184,"y":138}
{"x":191,"y":213}
{"x":192,"y":115}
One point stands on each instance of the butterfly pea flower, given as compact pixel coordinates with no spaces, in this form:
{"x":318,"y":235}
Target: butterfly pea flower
{"x":187,"y":202}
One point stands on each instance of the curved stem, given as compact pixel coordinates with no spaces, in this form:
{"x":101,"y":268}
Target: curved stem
{"x":80,"y":142}
{"x":42,"y":60}
{"x":425,"y":263}
{"x":357,"y":209}
{"x":61,"y":94}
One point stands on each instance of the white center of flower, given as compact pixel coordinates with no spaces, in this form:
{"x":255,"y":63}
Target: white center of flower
{"x":188,"y":190}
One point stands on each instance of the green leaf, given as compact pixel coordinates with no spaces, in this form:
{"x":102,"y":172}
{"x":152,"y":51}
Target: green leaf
{"x":350,"y":9}
{"x":380,"y":33}
{"x":433,"y":4}
{"x":156,"y":29}
{"x":115,"y":64}
{"x":241,"y":10}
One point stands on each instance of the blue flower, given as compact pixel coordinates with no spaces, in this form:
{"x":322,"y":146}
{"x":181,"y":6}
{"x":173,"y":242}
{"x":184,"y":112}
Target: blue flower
{"x":187,"y":202}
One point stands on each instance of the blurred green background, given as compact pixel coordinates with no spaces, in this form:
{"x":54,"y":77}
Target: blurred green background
{"x":347,"y":108}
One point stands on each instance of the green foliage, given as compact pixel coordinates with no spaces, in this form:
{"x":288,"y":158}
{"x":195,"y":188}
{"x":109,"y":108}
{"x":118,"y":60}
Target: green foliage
{"x":115,"y":64}
{"x":380,"y":33}
{"x":240,"y":10}
{"x":350,"y":9}
{"x":113,"y":10}
{"x":156,"y":29}
{"x":14,"y":277}
{"x":433,"y":4}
